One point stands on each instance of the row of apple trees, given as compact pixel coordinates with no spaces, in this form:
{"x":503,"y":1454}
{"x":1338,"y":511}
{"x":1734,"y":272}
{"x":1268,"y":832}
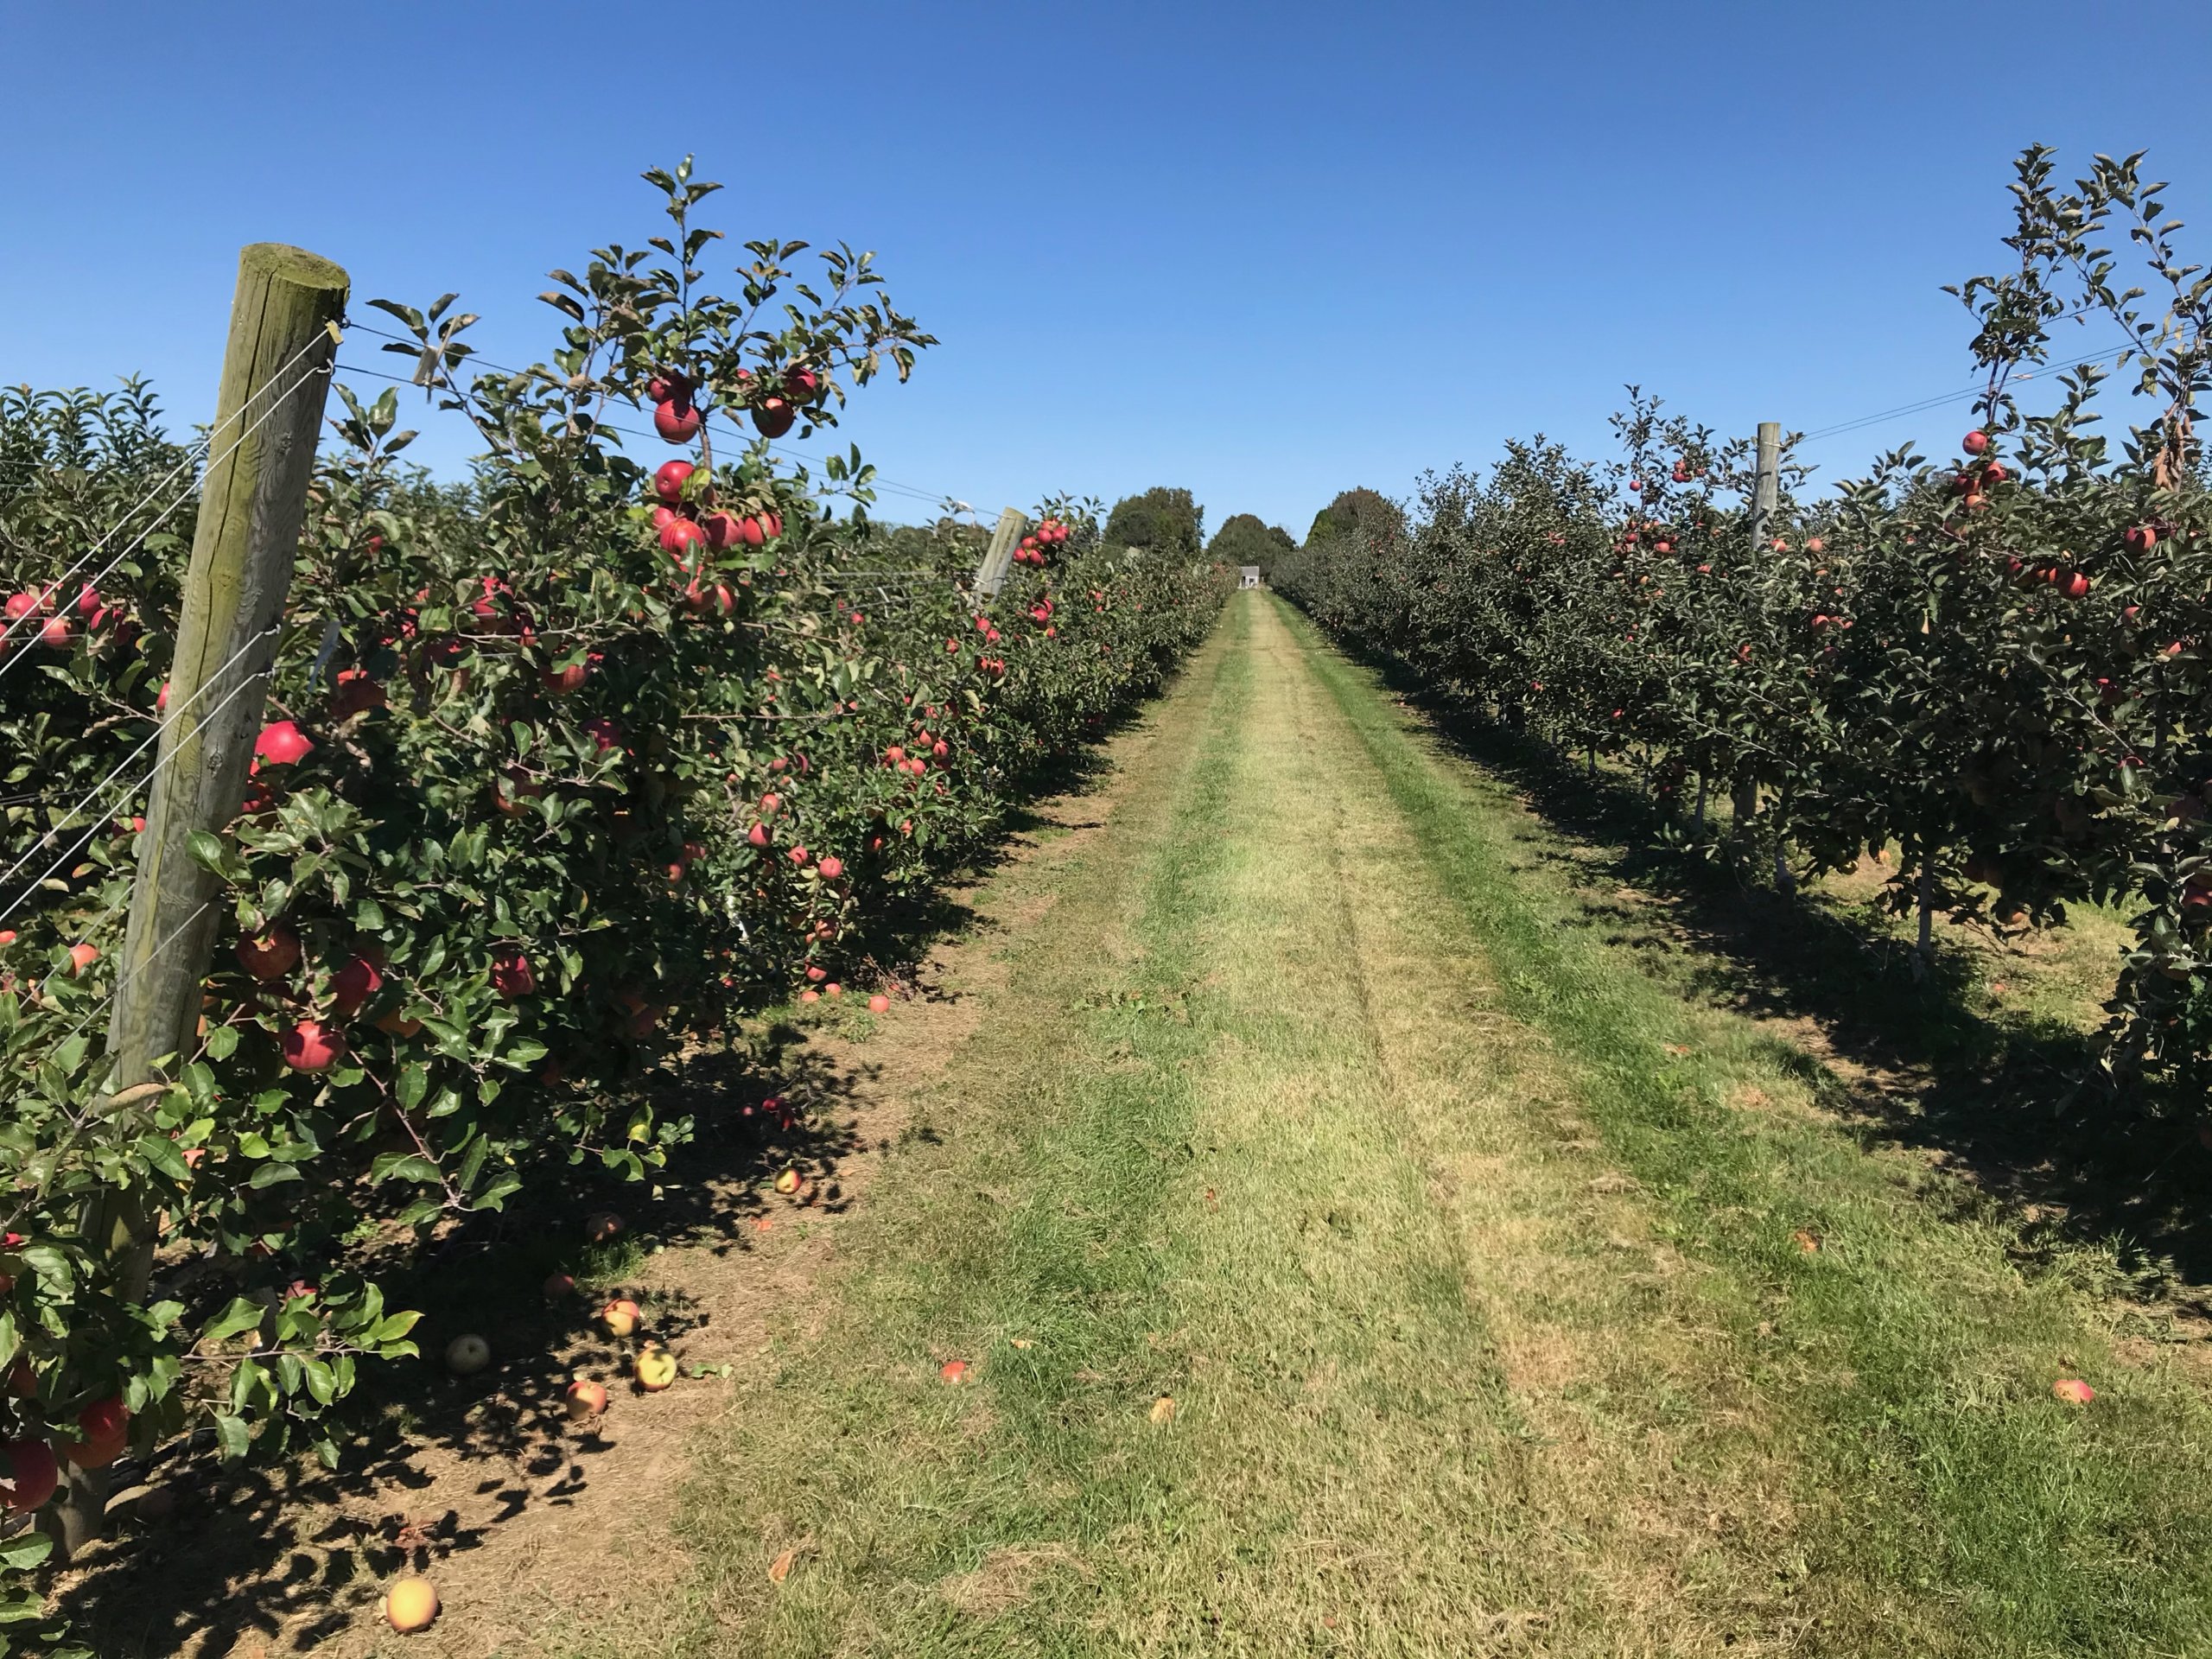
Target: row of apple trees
{"x":563,"y":768}
{"x":1995,"y":663}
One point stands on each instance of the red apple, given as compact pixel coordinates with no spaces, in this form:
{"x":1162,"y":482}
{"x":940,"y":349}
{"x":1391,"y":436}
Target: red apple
{"x":513,"y":975}
{"x":679,"y":536}
{"x":832,"y":868}
{"x":272,"y":956}
{"x":773,"y":416}
{"x":308,"y":1046}
{"x":104,"y":1419}
{"x":82,"y":957}
{"x":668,"y":481}
{"x":677,"y":421}
{"x":569,"y":677}
{"x":354,"y":984}
{"x":1975,"y":442}
{"x":670,"y":386}
{"x":586,"y":1399}
{"x":56,"y":633}
{"x":33,"y":1475}
{"x":281,"y":743}
{"x":2141,"y":539}
{"x":356,"y":694}
{"x":878,"y":1004}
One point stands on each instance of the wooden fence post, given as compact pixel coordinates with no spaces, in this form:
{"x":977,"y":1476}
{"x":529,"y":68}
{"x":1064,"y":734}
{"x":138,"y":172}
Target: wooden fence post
{"x":998,"y":559}
{"x":1766,"y":501}
{"x":1766,"y":484}
{"x":269,"y":406}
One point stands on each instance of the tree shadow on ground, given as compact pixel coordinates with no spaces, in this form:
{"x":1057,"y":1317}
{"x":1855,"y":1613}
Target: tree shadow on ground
{"x":282,"y":1554}
{"x":2010,"y":1101}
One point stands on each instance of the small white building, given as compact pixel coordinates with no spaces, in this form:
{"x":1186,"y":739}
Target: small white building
{"x":1251,"y":575}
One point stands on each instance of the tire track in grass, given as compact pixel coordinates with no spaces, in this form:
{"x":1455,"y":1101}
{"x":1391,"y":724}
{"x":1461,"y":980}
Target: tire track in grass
{"x":1950,"y":1505}
{"x":1628,"y":1523}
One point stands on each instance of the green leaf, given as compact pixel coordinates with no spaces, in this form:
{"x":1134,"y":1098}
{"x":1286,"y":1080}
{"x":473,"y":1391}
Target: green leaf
{"x":160,"y":1152}
{"x":404,"y":1166}
{"x":26,"y":1549}
{"x":212,"y":852}
{"x":393,"y":1327}
{"x":232,"y":1436}
{"x":240,"y":1315}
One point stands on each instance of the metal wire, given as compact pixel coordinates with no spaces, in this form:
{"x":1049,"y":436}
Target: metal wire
{"x":100,"y":788}
{"x":71,"y":575}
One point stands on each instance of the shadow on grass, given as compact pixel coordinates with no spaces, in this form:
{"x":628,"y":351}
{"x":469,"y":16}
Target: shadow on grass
{"x":278,"y":1556}
{"x":2008,"y":1099}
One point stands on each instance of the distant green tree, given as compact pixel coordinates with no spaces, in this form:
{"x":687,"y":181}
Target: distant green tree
{"x":1247,"y":539}
{"x":1356,"y":510}
{"x":1162,"y":519}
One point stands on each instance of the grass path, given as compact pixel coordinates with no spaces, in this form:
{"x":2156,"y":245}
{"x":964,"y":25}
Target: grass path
{"x":1348,"y":1257}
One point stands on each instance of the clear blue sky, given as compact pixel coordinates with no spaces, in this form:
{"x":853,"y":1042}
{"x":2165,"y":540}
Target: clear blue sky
{"x":1266,"y":252}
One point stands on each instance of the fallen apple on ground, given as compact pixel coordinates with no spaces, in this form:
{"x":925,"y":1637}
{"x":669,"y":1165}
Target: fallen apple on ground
{"x":656,"y":1368}
{"x":467,"y":1354}
{"x":586,"y":1399}
{"x":411,"y":1604}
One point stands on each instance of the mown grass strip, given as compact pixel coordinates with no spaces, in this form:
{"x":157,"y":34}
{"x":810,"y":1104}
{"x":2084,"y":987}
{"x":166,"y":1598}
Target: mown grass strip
{"x":1911,"y":1355}
{"x":1019,"y":1235}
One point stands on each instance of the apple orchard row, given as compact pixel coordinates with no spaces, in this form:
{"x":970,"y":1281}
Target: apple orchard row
{"x":1992,"y":672}
{"x":608,"y":752}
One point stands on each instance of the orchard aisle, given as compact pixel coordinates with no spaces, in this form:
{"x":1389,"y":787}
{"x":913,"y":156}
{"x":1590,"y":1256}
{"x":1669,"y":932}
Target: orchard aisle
{"x":1316,"y":1248}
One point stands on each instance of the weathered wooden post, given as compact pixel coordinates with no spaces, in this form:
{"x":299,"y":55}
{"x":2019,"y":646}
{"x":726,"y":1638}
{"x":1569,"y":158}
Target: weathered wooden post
{"x":1766,"y":501}
{"x":1766,"y":483}
{"x":268,"y":407}
{"x":998,"y":558}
